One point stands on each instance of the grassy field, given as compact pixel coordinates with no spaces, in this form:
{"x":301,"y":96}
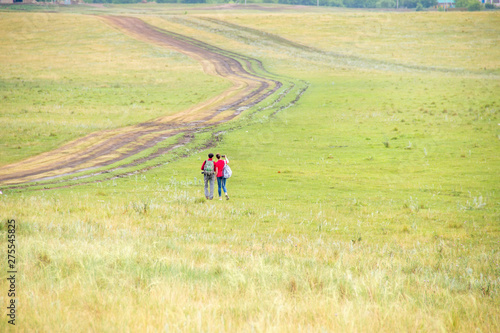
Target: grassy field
{"x":461,"y":41}
{"x":370,"y":205}
{"x":63,"y":77}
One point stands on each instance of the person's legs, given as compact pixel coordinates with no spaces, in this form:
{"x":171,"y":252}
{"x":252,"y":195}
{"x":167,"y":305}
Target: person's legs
{"x":212,"y":179}
{"x":224,"y":187}
{"x":206,"y":178}
{"x":219,"y":185}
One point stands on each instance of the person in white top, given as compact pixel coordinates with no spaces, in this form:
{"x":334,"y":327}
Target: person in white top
{"x":219,"y":171}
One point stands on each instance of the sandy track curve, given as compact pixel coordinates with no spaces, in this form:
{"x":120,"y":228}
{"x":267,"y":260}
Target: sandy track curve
{"x":107,"y":147}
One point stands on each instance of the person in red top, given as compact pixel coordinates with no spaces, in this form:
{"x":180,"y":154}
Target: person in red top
{"x":209,"y":176}
{"x":219,"y":168}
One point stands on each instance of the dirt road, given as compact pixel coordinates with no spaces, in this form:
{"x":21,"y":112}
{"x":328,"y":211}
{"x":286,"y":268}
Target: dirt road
{"x":107,"y":147}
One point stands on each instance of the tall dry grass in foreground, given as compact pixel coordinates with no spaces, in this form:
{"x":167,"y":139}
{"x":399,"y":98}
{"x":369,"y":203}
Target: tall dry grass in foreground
{"x":159,"y":258}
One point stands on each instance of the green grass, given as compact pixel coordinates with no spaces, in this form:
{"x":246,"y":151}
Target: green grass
{"x":62,"y":77}
{"x":450,"y":41}
{"x":371,"y":205}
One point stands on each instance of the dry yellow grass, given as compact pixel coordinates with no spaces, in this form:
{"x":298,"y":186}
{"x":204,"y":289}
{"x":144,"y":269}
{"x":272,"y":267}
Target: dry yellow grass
{"x":157,"y":258}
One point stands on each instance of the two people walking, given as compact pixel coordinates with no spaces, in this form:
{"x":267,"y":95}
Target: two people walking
{"x":212,"y":170}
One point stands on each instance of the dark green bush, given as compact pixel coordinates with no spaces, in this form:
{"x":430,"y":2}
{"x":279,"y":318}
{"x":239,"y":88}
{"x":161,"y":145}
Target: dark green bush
{"x":474,"y":6}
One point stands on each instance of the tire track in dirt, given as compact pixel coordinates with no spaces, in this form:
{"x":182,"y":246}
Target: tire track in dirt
{"x":186,"y":139}
{"x":107,"y":147}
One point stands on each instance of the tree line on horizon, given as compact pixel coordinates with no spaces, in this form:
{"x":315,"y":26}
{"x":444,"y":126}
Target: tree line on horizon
{"x":330,"y":3}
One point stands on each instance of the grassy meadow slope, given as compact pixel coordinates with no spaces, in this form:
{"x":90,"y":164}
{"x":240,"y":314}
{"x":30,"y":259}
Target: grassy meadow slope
{"x":63,"y":77}
{"x":461,"y":41}
{"x":370,"y":205}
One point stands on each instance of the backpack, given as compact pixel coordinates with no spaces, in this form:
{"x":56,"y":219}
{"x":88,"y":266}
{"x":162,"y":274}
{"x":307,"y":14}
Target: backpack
{"x":208,"y":169}
{"x":226,"y":172}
